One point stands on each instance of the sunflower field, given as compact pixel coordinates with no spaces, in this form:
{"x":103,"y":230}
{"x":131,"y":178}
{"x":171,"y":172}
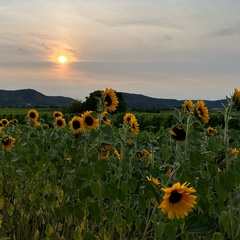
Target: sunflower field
{"x":89,"y":179}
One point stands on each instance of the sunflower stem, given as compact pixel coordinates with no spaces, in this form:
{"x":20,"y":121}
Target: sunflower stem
{"x":149,"y":220}
{"x":228,"y":109}
{"x":187,"y":136}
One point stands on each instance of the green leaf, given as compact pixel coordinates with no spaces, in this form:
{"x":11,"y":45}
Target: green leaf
{"x":199,"y":224}
{"x":88,"y":236}
{"x":217,"y":236}
{"x":94,"y":188}
{"x":227,"y":180}
{"x":110,"y":190}
{"x":196,"y":158}
{"x":130,"y":215}
{"x":166,"y":152}
{"x":94,"y":211}
{"x":158,"y":229}
{"x":101,"y":166}
{"x":132,"y":183}
{"x":170,"y":231}
{"x":107,"y":130}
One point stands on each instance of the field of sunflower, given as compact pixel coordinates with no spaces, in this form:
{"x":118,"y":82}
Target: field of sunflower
{"x":88,"y":179}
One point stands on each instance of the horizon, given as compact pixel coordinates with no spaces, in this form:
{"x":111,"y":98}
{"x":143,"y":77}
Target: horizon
{"x":117,"y":91}
{"x":172,"y":50}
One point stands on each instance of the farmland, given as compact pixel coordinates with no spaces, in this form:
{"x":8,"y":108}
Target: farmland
{"x":99,"y":175}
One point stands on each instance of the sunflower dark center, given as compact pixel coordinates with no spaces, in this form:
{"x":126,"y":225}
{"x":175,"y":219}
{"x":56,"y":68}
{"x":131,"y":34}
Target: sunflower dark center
{"x":104,"y":118}
{"x":32,"y":115}
{"x":175,"y":197}
{"x":57,"y":115}
{"x":89,"y":121}
{"x":6,"y":141}
{"x":76,"y":125}
{"x":59,"y":123}
{"x":4,"y":122}
{"x":108,"y":100}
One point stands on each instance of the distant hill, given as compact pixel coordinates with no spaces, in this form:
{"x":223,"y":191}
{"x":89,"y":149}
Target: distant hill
{"x":31,"y":98}
{"x":141,"y":102}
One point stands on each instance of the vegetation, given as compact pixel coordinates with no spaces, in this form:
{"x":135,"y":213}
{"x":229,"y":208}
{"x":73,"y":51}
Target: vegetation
{"x":107,"y":176}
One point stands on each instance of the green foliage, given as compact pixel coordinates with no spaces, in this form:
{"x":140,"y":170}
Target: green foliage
{"x":55,"y":185}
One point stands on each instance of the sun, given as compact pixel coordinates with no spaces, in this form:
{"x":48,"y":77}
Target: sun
{"x":62,"y":59}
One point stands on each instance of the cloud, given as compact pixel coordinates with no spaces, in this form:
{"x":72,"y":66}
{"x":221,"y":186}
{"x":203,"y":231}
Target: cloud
{"x":225,"y":32}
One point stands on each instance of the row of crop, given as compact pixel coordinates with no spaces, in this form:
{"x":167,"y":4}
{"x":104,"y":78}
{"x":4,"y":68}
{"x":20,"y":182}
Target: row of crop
{"x":148,"y":121}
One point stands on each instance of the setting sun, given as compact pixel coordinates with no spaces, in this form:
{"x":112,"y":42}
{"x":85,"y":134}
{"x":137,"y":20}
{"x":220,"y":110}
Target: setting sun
{"x":62,"y":59}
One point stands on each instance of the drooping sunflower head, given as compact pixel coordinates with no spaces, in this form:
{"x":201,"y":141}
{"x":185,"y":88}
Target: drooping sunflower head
{"x":4,"y":122}
{"x":104,"y":151}
{"x":134,"y":127}
{"x":236,"y":98}
{"x":153,"y":180}
{"x":8,"y":143}
{"x":188,"y":106}
{"x":178,"y":133}
{"x":178,"y":200}
{"x":88,"y":122}
{"x":145,"y":156}
{"x":110,"y":101}
{"x":57,"y":114}
{"x":32,"y":115}
{"x":75,"y":125}
{"x":128,"y":118}
{"x":104,"y":118}
{"x":60,"y":122}
{"x":234,"y":151}
{"x":201,"y":111}
{"x":211,"y":131}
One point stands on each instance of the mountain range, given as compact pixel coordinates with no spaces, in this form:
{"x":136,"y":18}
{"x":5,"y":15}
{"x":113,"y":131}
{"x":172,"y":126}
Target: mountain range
{"x":32,"y":98}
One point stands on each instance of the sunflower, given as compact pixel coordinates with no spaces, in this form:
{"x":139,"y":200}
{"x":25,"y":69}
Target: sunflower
{"x":57,"y":114}
{"x":153,"y":180}
{"x":88,"y":122}
{"x":60,"y":122}
{"x":32,"y":115}
{"x":4,"y":122}
{"x":234,"y":151}
{"x":178,"y":200}
{"x":104,"y":118}
{"x":236,"y":99}
{"x":14,"y":121}
{"x":36,"y":124}
{"x":110,"y":100}
{"x":188,"y":106}
{"x":144,"y":154}
{"x":116,"y":153}
{"x":178,"y":133}
{"x":211,"y":131}
{"x":104,"y":151}
{"x":134,"y":127}
{"x":128,"y":118}
{"x":75,"y":125}
{"x":8,"y":143}
{"x":201,"y":111}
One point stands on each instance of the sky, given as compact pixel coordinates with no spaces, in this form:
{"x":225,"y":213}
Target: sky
{"x":175,"y":49}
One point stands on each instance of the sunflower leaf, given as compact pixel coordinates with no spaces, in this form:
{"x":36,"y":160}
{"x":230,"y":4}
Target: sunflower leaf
{"x":199,"y":224}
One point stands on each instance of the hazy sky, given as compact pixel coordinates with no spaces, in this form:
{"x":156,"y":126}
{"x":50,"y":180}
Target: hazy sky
{"x":181,"y":49}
